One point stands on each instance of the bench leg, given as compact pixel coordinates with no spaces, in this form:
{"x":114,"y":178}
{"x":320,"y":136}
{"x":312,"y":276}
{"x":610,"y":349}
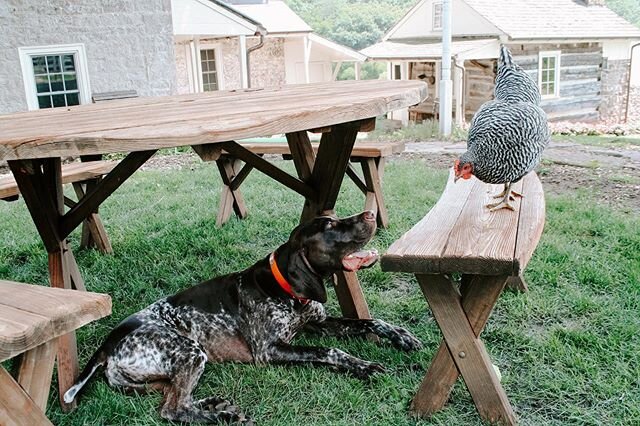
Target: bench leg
{"x":34,"y":372}
{"x":230,"y":199}
{"x":374,"y":199}
{"x":16,"y":406}
{"x":326,"y":178}
{"x":517,"y":283}
{"x":461,"y":319}
{"x":40,"y":182}
{"x":93,"y":232}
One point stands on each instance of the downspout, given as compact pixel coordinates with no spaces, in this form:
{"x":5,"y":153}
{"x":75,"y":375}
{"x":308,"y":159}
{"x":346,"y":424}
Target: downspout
{"x":262,"y":32}
{"x":626,"y":112}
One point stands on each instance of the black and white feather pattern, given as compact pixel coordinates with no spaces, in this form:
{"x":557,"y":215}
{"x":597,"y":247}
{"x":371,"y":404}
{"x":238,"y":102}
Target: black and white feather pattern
{"x":507,"y":135}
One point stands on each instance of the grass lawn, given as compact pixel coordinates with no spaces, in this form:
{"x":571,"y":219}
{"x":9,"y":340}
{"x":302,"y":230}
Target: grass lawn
{"x":569,"y":350}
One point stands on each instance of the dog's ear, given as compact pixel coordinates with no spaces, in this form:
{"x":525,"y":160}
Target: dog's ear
{"x":306,"y":282}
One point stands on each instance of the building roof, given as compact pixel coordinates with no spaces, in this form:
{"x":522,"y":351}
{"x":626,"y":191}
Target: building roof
{"x":275,"y":16}
{"x":210,"y":18}
{"x":553,"y":19}
{"x":337,"y":51}
{"x":390,"y":50}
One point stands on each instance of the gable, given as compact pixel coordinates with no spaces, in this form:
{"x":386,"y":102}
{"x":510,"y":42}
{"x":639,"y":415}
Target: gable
{"x":418,"y":23}
{"x":204,"y":17}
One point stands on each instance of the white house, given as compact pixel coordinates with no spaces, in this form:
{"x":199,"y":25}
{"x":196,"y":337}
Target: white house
{"x":579,"y":51}
{"x":242,"y":43}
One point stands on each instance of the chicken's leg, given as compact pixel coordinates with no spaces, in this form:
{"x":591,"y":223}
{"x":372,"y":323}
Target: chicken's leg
{"x":506,"y":197}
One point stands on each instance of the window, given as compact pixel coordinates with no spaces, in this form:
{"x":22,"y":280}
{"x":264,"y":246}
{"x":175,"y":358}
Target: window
{"x":54,"y":76}
{"x":397,"y":72}
{"x":549,"y":74}
{"x":437,"y":16}
{"x":209,"y":70}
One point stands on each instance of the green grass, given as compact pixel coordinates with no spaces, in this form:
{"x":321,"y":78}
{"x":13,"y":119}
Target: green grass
{"x":600,"y":140}
{"x":428,"y":130}
{"x":569,"y":350}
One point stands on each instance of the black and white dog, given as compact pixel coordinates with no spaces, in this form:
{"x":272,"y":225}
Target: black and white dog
{"x":249,"y":316}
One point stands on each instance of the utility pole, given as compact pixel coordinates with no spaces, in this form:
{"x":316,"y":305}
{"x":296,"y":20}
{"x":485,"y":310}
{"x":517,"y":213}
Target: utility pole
{"x":446,"y":91}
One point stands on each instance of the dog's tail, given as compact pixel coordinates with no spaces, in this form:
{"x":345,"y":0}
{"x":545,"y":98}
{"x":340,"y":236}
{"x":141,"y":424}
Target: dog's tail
{"x":99,"y":359}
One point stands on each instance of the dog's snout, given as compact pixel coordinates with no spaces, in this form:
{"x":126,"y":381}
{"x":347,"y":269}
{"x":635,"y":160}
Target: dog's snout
{"x":369,"y":215}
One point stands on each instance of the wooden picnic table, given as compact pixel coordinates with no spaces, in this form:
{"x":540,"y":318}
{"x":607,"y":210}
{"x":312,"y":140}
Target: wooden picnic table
{"x":34,"y":143}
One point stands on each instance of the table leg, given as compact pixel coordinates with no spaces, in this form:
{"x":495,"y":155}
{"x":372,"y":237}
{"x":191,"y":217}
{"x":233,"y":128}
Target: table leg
{"x":16,"y":406}
{"x":40,"y":182}
{"x":373,"y":180}
{"x":230,"y":199}
{"x":325,"y":178}
{"x":461,"y":319}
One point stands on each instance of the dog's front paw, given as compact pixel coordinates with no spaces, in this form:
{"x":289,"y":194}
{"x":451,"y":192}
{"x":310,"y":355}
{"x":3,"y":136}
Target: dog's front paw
{"x":365,"y":370}
{"x":400,"y":337}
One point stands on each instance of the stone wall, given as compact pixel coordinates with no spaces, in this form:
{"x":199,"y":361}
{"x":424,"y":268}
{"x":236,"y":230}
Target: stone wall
{"x":129,"y":44}
{"x":267,"y":63}
{"x":615,"y":75}
{"x":634,"y":105}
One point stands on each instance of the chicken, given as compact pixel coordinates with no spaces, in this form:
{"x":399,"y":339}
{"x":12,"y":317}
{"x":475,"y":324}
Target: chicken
{"x":508,"y":134}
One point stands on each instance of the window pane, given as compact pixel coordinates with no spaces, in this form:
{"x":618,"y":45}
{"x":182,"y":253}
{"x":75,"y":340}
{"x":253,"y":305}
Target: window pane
{"x":39,"y":65}
{"x":552,"y":75}
{"x":68,"y":63}
{"x":58,"y":100}
{"x":545,"y":63}
{"x":53,"y":64}
{"x":56,"y":83}
{"x":73,"y":99}
{"x":44,"y":101}
{"x":205,"y":66}
{"x":42,"y":84}
{"x":545,"y":75}
{"x":552,"y":87}
{"x":70,"y":82}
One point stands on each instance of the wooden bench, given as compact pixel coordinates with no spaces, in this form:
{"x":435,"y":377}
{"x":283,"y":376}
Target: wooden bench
{"x":32,"y":320}
{"x":83,"y":176}
{"x":460,"y":235}
{"x":370,"y":155}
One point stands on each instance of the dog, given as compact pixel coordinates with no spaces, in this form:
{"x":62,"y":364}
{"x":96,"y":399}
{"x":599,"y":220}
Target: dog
{"x":249,"y":316}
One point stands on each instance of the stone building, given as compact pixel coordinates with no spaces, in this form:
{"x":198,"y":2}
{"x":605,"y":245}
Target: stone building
{"x":579,"y":51}
{"x":60,"y":52}
{"x":63,"y":53}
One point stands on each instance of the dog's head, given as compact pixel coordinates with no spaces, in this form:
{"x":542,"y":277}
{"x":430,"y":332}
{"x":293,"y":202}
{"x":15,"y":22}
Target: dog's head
{"x":325,"y":245}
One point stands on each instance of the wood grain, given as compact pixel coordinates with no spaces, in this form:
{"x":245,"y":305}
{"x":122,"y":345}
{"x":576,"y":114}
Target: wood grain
{"x":35,"y":371}
{"x":361,"y":149}
{"x":31,"y":315}
{"x":143,"y":124}
{"x":71,"y":172}
{"x":460,"y":234}
{"x":16,"y":407}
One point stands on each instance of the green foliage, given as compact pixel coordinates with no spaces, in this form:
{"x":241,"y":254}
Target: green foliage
{"x":368,"y":71}
{"x":628,"y":9}
{"x":569,"y":350}
{"x":354,"y":23}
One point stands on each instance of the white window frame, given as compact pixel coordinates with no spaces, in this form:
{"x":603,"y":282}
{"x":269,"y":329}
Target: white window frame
{"x":217,"y":49}
{"x":433,"y":20}
{"x":556,"y":84}
{"x":82,"y":70}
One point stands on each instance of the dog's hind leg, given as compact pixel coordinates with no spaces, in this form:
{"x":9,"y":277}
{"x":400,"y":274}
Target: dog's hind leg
{"x":158,"y":356}
{"x":399,"y":337}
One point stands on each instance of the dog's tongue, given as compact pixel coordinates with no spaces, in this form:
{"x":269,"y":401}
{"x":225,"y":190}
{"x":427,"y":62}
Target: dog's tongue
{"x":359,"y":259}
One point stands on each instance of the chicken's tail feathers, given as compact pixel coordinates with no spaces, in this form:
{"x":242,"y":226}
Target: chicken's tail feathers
{"x":506,"y":60}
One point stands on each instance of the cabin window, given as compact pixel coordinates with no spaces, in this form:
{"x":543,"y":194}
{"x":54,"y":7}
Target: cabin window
{"x":549,"y":74}
{"x":54,"y":76}
{"x":208,"y":65}
{"x":437,"y":15}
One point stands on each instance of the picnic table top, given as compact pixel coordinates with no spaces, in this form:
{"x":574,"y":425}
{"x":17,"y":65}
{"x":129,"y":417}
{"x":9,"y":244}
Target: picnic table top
{"x":142,"y":124}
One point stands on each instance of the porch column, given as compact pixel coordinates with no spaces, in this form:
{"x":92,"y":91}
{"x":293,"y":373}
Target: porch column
{"x":357,"y":70}
{"x":457,"y":93}
{"x":244,"y":72}
{"x":307,"y":57}
{"x":195,"y":64}
{"x":336,"y":71}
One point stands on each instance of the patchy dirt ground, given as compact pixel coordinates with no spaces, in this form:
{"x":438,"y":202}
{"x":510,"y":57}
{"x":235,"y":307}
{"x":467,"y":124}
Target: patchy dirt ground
{"x":612,"y":174}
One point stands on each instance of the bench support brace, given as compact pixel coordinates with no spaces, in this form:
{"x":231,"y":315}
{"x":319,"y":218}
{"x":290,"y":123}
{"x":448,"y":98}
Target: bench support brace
{"x":461,"y":318}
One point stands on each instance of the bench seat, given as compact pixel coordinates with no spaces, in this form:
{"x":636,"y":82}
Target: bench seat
{"x":370,"y":155}
{"x":32,"y":319}
{"x":461,"y":235}
{"x":81,"y":175}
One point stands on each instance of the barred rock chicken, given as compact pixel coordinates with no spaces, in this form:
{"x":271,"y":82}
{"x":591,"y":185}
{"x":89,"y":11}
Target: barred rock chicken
{"x":508,"y":134}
